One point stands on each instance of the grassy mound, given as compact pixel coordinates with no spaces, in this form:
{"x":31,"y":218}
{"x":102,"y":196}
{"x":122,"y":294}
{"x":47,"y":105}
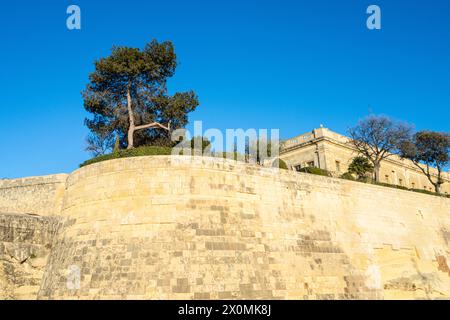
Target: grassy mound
{"x":137,"y":152}
{"x":317,"y":171}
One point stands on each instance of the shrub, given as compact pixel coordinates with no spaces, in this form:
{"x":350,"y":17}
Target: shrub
{"x":314,"y":170}
{"x":361,"y":167}
{"x":348,"y":176}
{"x":389,"y":185}
{"x":281,"y":164}
{"x":430,"y":192}
{"x":137,"y":152}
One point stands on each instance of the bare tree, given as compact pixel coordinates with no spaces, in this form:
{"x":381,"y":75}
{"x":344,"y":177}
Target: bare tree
{"x":427,"y":149}
{"x":377,"y":138}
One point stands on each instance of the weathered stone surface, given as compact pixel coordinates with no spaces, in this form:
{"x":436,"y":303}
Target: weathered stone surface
{"x":25,"y":245}
{"x":203,"y":228}
{"x":38,"y":195}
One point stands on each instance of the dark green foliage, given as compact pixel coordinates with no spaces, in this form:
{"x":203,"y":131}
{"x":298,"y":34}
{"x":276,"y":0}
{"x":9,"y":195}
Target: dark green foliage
{"x":347,"y":176}
{"x":260,"y":150}
{"x":137,"y":152}
{"x":383,"y":184}
{"x":200,"y":144}
{"x":428,"y":149}
{"x":361,"y":167}
{"x":430,"y":192}
{"x":314,"y":170}
{"x":143,"y":74}
{"x":281,"y":164}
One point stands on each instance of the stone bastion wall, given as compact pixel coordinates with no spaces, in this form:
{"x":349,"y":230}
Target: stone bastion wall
{"x":202,"y":228}
{"x":37,"y":195}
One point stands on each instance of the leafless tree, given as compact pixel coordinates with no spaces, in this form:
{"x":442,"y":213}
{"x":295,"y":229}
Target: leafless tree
{"x":378,"y":138}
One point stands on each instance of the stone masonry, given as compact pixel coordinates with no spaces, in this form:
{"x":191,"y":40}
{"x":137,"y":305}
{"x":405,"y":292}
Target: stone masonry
{"x":204,"y":228}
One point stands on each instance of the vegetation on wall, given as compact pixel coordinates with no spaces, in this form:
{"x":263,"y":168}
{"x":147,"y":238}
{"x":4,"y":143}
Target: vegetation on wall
{"x":378,"y":138}
{"x":429,"y":149}
{"x":361,"y":168}
{"x":316,"y":171}
{"x":127,"y":96}
{"x":136,"y":152}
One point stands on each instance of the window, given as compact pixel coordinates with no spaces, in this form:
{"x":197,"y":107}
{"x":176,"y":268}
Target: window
{"x":400,"y":182}
{"x":387,"y":178}
{"x":413,"y":185}
{"x":338,"y":166}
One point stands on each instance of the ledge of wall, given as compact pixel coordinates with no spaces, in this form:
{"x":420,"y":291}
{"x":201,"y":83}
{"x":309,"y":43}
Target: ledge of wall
{"x":25,"y":245}
{"x":34,"y":195}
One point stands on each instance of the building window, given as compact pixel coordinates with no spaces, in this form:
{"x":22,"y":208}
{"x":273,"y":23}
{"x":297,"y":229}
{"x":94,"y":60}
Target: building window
{"x":400,"y":182}
{"x":338,"y":166}
{"x":387,"y":178}
{"x":413,"y":185}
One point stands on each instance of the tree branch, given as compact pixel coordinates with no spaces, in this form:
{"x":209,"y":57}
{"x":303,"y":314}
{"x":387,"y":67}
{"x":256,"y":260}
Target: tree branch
{"x":153,"y":125}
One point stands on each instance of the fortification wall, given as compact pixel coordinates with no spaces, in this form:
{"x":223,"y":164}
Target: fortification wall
{"x":203,"y":228}
{"x":25,"y":245}
{"x":37,"y":195}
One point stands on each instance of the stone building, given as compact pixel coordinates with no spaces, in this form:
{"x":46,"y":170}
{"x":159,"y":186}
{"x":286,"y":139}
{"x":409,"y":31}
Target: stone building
{"x":325,"y":149}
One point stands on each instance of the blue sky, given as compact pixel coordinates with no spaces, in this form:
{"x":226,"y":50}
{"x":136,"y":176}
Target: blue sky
{"x":281,"y":64}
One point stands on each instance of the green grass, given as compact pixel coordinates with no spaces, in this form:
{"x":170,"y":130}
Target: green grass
{"x":146,"y":151}
{"x":393,"y":186}
{"x":316,"y":171}
{"x":137,"y":152}
{"x":321,"y":172}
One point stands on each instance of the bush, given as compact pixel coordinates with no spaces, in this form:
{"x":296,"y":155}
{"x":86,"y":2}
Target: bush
{"x":137,"y":152}
{"x":314,"y":170}
{"x":281,"y":164}
{"x":430,"y":192}
{"x":389,"y":185}
{"x":361,"y":167}
{"x":348,"y":176}
{"x":382,"y":184}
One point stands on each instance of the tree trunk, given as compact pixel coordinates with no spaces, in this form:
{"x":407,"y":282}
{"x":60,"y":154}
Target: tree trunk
{"x":132,"y":127}
{"x":437,"y":188}
{"x":376,"y":171}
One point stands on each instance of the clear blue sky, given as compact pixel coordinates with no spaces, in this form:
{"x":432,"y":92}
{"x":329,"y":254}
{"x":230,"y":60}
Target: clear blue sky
{"x":290,"y":65}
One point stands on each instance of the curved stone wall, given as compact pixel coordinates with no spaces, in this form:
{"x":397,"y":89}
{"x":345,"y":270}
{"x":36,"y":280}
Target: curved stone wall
{"x":33,"y":195}
{"x":202,"y":228}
